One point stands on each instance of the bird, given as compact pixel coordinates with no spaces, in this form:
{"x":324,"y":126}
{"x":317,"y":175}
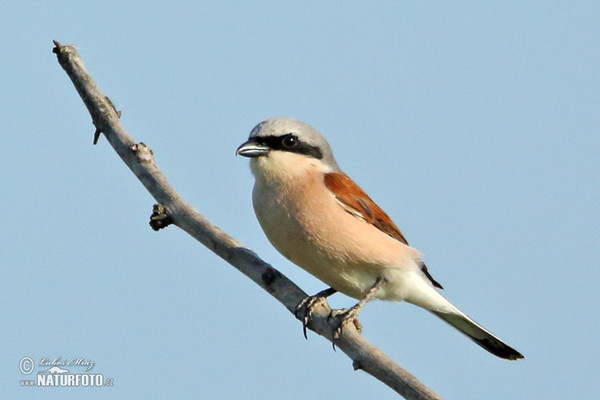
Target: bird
{"x":322,"y":221}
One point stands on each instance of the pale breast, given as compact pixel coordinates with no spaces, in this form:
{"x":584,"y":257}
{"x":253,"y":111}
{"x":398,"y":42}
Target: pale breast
{"x":306,"y":224}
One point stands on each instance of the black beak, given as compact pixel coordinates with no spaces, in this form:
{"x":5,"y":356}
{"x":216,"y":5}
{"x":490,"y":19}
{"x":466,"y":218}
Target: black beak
{"x":252,"y":149}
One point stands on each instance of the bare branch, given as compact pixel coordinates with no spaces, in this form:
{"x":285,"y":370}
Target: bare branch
{"x":139,"y":158}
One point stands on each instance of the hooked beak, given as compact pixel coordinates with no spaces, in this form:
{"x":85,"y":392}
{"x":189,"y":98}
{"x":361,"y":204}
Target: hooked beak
{"x":252,"y":149}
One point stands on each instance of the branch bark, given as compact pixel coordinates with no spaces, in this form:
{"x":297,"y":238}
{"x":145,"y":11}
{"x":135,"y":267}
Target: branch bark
{"x":140,"y":160}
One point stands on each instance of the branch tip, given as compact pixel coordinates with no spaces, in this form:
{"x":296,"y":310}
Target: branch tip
{"x":57,"y":47}
{"x":97,"y":136}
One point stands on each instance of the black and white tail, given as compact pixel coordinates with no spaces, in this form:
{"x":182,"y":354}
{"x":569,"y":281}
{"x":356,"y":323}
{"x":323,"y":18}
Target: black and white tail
{"x":479,"y":335}
{"x":426,"y":296}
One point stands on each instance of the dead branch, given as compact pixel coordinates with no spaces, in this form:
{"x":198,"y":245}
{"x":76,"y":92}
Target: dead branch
{"x":139,"y":158}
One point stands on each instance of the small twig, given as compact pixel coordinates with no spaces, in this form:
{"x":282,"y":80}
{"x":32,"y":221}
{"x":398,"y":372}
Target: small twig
{"x":159,"y":218}
{"x":139,"y":158}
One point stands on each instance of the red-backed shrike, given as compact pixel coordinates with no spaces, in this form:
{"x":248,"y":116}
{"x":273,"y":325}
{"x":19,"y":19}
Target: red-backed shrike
{"x":319,"y":219}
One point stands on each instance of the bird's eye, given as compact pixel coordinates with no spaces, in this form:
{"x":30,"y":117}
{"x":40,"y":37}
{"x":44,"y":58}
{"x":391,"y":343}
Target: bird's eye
{"x":289,"y":141}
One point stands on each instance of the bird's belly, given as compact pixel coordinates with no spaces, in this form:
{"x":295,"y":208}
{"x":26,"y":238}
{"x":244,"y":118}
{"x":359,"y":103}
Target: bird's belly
{"x":341,"y":258}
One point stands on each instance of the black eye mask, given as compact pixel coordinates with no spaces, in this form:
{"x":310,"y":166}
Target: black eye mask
{"x":290,"y":143}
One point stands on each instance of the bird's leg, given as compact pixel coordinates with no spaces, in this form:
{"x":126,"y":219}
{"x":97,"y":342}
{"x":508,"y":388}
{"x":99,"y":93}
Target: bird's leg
{"x":304,"y":308}
{"x":345,"y":316}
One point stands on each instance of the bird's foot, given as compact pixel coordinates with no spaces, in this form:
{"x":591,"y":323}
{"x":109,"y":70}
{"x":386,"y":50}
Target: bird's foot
{"x":343,"y":317}
{"x":305,"y":307}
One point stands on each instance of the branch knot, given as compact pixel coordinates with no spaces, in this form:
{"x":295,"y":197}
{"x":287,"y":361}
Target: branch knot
{"x":159,"y":218}
{"x":144,"y":154}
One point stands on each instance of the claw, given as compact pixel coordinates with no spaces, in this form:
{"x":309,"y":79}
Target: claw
{"x":305,"y":307}
{"x":345,"y":316}
{"x":308,"y":311}
{"x":342,"y":317}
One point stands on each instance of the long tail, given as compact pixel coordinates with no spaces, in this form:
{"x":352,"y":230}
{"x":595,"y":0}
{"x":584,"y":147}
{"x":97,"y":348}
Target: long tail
{"x":424,"y":295}
{"x":479,"y":335}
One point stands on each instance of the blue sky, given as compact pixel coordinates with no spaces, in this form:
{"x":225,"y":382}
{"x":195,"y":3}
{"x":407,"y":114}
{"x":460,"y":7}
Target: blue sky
{"x":473,"y":125}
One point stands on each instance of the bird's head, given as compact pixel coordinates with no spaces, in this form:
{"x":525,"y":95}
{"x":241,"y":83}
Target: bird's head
{"x":284,"y":146}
